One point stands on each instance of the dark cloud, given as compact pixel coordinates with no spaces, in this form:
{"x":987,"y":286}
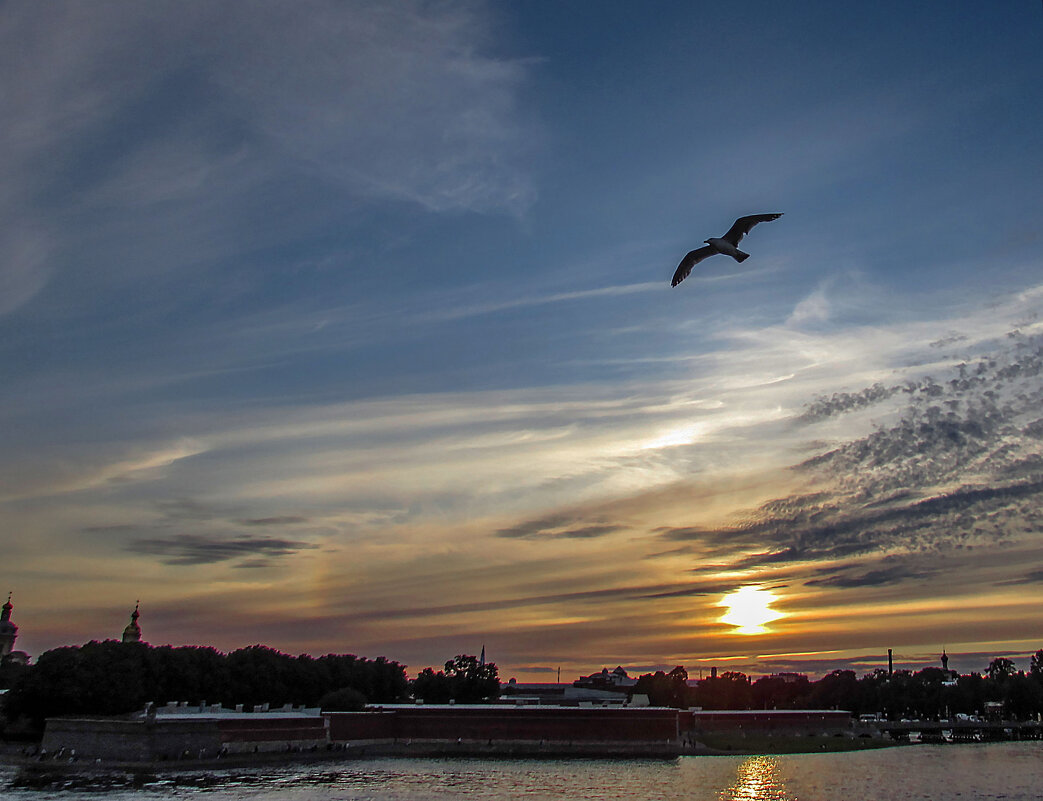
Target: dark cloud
{"x":692,"y":590}
{"x":952,"y":339}
{"x":841,"y":402}
{"x":559,"y":527}
{"x":1032,"y":577}
{"x":197,"y":549}
{"x":286,"y":520}
{"x":533,"y":528}
{"x":872,"y":578}
{"x":682,"y":551}
{"x":683,"y":533}
{"x":188,"y":509}
{"x":219,"y":537}
{"x":119,"y":528}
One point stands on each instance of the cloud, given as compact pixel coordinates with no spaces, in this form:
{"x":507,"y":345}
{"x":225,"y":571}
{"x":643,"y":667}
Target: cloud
{"x":283,"y":520}
{"x":872,"y":578}
{"x":491,"y":307}
{"x":23,"y":263}
{"x":1032,"y":577}
{"x":396,"y":100}
{"x":952,"y":467}
{"x":166,"y":137}
{"x":558,"y":527}
{"x":842,"y":402}
{"x":198,"y":549}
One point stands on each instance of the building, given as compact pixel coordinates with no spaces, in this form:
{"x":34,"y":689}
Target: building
{"x":133,"y":631}
{"x":8,"y":635}
{"x":615,"y":680}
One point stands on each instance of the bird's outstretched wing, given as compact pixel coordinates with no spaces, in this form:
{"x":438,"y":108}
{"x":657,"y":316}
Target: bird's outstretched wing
{"x":742,"y":226}
{"x":689,"y":261}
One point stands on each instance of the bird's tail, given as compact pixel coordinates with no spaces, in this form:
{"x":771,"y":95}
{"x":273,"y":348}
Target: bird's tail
{"x":740,"y":256}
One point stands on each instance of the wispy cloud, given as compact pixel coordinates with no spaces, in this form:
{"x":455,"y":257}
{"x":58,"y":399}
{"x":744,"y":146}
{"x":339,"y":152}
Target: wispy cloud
{"x":540,"y":300}
{"x":182,"y":163}
{"x":197,"y":549}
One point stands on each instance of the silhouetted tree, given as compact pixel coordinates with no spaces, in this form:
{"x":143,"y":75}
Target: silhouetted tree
{"x":10,"y":673}
{"x":431,"y":687}
{"x":730,"y":690}
{"x":472,"y":681}
{"x":780,"y":692}
{"x":464,"y":680}
{"x":665,"y":689}
{"x":346,"y":699}
{"x":1036,"y":665}
{"x":1000,"y":669}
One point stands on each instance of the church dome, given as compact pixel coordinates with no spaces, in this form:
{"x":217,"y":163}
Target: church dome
{"x":133,"y":631}
{"x":6,"y":626}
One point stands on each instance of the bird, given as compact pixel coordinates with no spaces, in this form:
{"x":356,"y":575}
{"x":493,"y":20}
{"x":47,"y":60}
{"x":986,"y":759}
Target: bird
{"x":727,"y":244}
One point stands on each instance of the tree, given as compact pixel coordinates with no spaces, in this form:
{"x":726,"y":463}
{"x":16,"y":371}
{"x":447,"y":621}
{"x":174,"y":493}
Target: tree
{"x":730,"y":690}
{"x":464,"y":680}
{"x":1000,"y":669}
{"x":346,"y":699}
{"x":780,"y":692}
{"x":472,"y":681}
{"x":1036,"y":665}
{"x":432,"y":688}
{"x":665,"y":689}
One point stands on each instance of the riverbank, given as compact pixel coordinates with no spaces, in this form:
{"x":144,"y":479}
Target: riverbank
{"x":52,"y":772}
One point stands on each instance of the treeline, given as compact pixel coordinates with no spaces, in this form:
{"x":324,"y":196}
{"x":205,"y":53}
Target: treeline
{"x":113,"y":678}
{"x":931,"y":693}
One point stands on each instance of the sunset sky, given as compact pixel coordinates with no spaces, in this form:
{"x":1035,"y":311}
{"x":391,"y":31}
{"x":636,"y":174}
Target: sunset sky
{"x":348,"y":327}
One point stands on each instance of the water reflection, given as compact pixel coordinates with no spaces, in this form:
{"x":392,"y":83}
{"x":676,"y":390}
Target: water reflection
{"x":759,"y":779}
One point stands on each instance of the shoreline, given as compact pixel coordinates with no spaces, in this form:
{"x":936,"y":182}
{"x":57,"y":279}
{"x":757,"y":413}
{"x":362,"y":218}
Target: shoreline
{"x":506,"y":750}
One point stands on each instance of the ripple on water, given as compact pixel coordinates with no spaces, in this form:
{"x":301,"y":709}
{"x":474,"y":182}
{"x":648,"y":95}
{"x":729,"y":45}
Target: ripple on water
{"x":1011,"y":771}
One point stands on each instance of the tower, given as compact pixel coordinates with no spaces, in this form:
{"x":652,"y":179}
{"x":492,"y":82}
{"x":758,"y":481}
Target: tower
{"x":945,"y":661}
{"x":8,"y":630}
{"x":133,"y":631}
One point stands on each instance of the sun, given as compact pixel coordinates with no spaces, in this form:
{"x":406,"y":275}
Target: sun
{"x":749,"y":609}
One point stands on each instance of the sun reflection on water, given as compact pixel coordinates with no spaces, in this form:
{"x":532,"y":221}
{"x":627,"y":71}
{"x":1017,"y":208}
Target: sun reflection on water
{"x":758,"y":779}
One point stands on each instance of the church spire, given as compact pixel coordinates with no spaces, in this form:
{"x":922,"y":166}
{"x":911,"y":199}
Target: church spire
{"x":133,"y":631}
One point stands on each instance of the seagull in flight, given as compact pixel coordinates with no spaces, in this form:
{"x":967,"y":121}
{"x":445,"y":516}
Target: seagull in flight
{"x":727,"y":244}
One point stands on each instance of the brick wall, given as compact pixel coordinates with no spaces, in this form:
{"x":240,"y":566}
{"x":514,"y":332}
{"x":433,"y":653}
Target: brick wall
{"x":519,"y":723}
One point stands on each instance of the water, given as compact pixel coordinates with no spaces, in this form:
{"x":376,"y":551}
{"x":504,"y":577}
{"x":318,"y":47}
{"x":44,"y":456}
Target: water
{"x":1010,"y":771}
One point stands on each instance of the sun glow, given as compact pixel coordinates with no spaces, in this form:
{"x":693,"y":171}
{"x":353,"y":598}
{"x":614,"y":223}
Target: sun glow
{"x":749,"y":609}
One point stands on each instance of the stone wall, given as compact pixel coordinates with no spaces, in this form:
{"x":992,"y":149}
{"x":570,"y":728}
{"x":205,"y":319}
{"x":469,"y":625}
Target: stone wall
{"x":132,"y":740}
{"x":182,"y":738}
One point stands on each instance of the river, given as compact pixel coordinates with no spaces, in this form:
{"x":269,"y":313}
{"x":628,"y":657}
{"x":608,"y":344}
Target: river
{"x":1010,"y":771}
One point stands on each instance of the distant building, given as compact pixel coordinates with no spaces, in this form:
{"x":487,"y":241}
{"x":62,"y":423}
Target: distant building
{"x":790,"y":678}
{"x":133,"y":631}
{"x":615,"y":680}
{"x":8,"y":635}
{"x":8,"y":630}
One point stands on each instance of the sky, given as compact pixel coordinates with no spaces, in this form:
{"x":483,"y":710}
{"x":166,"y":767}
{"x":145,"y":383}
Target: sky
{"x":347,"y":327}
